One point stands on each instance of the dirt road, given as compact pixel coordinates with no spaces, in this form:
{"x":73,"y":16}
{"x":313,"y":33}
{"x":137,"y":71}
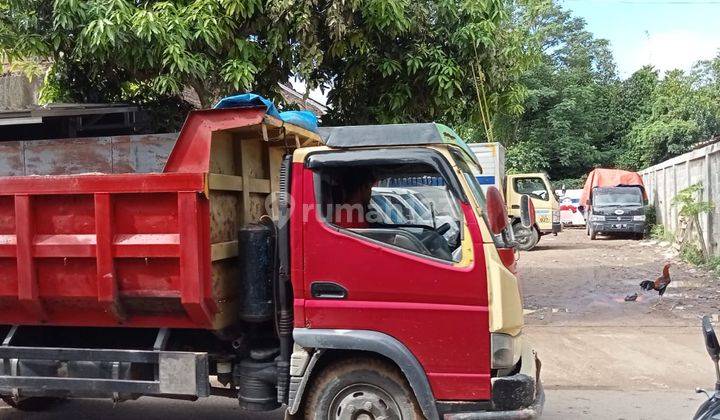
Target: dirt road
{"x":605,"y":358}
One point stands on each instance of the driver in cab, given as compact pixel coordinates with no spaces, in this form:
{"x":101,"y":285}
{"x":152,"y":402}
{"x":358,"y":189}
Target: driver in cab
{"x":353,"y":195}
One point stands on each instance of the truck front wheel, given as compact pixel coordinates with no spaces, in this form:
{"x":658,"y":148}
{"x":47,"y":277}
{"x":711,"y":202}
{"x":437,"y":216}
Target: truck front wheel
{"x":526,"y":237}
{"x":358,"y":389}
{"x":31,"y":404}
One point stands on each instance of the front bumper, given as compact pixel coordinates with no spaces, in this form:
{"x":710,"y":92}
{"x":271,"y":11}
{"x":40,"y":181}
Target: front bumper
{"x":555,"y":229}
{"x":618,"y":227}
{"x":517,"y":397}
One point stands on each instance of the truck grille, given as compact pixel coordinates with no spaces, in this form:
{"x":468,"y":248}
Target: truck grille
{"x":615,"y":218}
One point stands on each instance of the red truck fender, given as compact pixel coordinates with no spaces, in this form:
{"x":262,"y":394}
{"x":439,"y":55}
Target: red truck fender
{"x":369,"y":341}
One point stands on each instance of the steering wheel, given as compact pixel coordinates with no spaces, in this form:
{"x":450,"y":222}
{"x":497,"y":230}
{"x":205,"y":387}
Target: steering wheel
{"x":436,"y":243}
{"x":443,"y":229}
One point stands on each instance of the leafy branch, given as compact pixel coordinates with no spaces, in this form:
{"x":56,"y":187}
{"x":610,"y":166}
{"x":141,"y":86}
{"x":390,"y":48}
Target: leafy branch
{"x":690,"y":206}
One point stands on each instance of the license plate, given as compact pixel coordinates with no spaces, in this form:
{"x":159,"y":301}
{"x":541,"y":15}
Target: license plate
{"x":620,"y":226}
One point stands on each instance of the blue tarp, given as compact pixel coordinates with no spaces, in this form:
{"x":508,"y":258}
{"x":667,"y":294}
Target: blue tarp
{"x":304,"y":119}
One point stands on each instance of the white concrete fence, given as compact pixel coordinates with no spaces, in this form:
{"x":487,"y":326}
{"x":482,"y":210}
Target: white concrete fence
{"x":665,"y":180}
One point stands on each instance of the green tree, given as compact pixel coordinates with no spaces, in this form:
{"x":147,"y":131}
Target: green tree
{"x":382,"y":60}
{"x":565,"y":128}
{"x":634,"y":99}
{"x":682,"y":110}
{"x":402,"y":61}
{"x":117,"y":49}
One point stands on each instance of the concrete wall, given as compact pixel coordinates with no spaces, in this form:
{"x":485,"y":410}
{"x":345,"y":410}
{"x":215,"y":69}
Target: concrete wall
{"x":116,"y":154}
{"x":664,"y":180}
{"x":17,"y":92}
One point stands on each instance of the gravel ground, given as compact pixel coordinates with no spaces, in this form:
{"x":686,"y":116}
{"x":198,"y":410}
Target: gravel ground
{"x":604,"y":358}
{"x":571,"y":280}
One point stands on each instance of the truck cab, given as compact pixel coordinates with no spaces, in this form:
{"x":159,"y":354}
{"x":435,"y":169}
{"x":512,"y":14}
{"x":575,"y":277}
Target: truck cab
{"x":547,"y":206}
{"x":615,"y":202}
{"x":491,"y":158}
{"x":258,"y":258}
{"x":389,"y":270}
{"x":619,"y":209}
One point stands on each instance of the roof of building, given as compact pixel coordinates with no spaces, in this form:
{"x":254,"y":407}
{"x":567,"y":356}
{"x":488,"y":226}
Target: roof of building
{"x":295,"y":97}
{"x":35,"y":114}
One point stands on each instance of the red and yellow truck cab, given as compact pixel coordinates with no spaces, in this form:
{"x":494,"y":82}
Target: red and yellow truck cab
{"x":358,"y":272}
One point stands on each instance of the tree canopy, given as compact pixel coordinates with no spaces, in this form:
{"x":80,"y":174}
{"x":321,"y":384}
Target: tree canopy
{"x":579,"y":114}
{"x":526,"y":73}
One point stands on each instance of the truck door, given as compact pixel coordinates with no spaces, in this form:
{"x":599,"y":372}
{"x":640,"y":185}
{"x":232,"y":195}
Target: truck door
{"x":412,"y":280}
{"x":541,"y":195}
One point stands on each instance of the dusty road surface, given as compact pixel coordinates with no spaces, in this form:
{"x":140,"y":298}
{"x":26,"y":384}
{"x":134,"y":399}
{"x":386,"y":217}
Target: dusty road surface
{"x":603,"y":358}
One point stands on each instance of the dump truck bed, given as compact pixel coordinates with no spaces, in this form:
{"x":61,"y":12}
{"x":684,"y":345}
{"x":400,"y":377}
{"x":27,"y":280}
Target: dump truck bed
{"x":142,"y":249}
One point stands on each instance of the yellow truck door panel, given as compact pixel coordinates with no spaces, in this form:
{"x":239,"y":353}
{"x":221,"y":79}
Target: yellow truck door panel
{"x":537,"y":186}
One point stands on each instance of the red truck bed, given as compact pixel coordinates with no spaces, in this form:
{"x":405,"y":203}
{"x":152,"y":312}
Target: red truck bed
{"x":140,"y":250}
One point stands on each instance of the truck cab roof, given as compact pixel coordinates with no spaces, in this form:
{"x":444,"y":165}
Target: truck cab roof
{"x":388,"y":135}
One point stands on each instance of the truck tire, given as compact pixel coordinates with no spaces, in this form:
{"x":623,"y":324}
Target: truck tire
{"x":593,"y":234}
{"x":32,"y":403}
{"x":526,"y":238}
{"x":361,"y":388}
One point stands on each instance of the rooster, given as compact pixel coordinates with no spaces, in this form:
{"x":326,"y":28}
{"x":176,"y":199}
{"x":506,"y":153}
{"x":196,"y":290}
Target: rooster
{"x":660,"y":284}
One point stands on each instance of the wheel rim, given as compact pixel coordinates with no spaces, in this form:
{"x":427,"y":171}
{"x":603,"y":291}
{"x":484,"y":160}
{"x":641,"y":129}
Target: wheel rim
{"x":523,"y":235}
{"x":364,"y":402}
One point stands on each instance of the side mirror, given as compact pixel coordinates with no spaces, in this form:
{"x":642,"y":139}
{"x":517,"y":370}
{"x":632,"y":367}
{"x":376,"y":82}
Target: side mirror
{"x":711,"y":341}
{"x":563,"y":190}
{"x":497,"y":217}
{"x":527,"y":211}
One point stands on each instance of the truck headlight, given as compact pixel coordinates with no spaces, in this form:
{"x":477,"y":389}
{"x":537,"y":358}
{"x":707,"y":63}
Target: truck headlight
{"x":597,"y":218}
{"x":505,"y":350}
{"x":640,"y":218}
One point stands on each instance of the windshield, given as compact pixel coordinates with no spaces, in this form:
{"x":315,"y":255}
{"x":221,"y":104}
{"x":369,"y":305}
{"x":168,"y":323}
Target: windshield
{"x":470,"y":172}
{"x":618,"y":196}
{"x":533,"y":186}
{"x":421,"y":209}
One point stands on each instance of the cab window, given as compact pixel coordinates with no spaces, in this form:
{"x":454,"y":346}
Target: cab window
{"x":532,"y":186}
{"x":407,"y":206}
{"x":471,"y":172}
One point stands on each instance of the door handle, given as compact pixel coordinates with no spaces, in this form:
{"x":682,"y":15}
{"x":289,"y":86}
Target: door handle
{"x":327,"y":290}
{"x":515,"y":206}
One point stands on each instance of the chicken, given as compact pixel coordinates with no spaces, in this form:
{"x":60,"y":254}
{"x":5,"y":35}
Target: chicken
{"x":660,"y":283}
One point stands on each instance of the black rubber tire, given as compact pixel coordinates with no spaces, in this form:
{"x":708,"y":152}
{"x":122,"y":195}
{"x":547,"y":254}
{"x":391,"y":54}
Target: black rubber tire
{"x":33,"y":403}
{"x":532,"y":241}
{"x":345,"y":380}
{"x":593,"y":234}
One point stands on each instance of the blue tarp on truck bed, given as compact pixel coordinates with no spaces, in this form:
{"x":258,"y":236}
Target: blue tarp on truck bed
{"x":304,"y":119}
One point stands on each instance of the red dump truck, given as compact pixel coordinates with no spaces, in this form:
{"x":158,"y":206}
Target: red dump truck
{"x":232,"y":273}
